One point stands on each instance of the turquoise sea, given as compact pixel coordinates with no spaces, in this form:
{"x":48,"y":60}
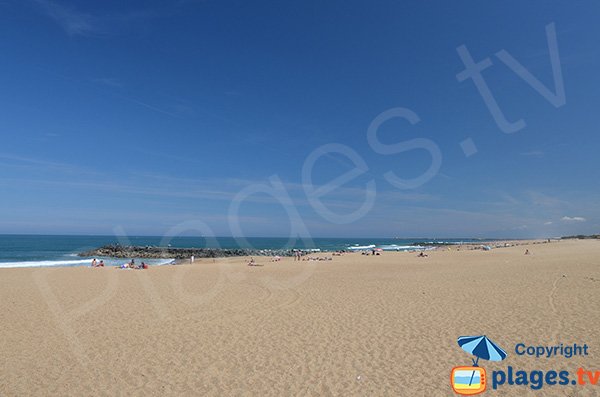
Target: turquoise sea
{"x":36,"y":250}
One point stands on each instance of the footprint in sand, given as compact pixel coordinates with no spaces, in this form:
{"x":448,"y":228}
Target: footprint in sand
{"x":551,"y":301}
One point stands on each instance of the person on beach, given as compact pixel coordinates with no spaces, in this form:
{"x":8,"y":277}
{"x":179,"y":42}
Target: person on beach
{"x":526,"y":252}
{"x":251,"y":262}
{"x":101,"y":264}
{"x":422,"y":255}
{"x":94,"y":262}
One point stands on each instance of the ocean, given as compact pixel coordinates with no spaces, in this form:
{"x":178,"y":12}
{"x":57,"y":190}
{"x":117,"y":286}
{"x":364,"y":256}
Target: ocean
{"x":41,"y":251}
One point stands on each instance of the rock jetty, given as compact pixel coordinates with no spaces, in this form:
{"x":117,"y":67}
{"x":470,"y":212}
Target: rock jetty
{"x":151,"y":252}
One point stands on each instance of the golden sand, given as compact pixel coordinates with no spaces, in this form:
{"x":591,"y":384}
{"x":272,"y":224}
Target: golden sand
{"x":356,"y":325}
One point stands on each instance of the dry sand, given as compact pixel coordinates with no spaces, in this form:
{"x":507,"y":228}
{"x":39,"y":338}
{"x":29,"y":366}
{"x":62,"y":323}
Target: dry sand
{"x":370,"y":326}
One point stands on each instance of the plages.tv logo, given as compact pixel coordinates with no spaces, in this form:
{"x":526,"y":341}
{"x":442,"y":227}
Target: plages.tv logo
{"x":470,"y":380}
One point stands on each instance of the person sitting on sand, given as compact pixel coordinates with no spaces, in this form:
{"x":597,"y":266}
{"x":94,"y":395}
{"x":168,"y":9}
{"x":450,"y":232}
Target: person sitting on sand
{"x":422,"y":255}
{"x":101,"y":264}
{"x":251,"y":262}
{"x":526,"y":252}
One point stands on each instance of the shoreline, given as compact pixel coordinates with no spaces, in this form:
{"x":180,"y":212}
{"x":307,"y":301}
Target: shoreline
{"x":113,"y":255}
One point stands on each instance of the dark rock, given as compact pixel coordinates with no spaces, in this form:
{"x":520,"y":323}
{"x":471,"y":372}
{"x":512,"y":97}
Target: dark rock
{"x":119,"y":251}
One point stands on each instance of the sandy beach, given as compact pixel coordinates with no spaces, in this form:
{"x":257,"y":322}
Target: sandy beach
{"x":355,"y":325}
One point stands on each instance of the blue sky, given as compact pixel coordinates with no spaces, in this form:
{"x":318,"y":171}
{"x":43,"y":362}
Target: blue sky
{"x":145,"y":115}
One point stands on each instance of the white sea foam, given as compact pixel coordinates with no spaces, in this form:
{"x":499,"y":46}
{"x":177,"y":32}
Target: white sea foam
{"x":162,"y":263}
{"x":81,"y":262}
{"x":394,"y":247}
{"x":361,"y":247}
{"x":78,"y":262}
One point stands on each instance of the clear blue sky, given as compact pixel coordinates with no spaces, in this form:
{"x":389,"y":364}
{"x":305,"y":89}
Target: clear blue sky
{"x":147,"y":114}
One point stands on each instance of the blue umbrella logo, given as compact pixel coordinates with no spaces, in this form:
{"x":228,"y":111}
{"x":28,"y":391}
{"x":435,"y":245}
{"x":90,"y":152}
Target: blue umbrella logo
{"x":481,"y":347}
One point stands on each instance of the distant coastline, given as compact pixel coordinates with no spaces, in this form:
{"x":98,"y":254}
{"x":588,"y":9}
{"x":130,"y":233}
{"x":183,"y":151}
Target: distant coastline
{"x":582,"y":237}
{"x":153,"y":252}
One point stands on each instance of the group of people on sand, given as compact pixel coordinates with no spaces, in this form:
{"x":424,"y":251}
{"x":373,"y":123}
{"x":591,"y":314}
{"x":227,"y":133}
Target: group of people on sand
{"x":317,"y":258}
{"x":251,"y":262}
{"x":132,"y":265}
{"x":95,"y":263}
{"x":129,"y":265}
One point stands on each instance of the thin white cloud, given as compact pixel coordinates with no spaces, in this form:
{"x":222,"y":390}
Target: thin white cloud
{"x":543,"y":200}
{"x":109,"y":81}
{"x":147,"y":105}
{"x":548,"y":223}
{"x":533,"y":153}
{"x":78,"y":23}
{"x":72,"y":21}
{"x":17,"y":161}
{"x":573,"y":219}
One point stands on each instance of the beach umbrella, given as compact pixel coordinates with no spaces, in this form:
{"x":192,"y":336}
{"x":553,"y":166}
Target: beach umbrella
{"x":481,"y":347}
